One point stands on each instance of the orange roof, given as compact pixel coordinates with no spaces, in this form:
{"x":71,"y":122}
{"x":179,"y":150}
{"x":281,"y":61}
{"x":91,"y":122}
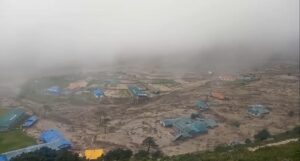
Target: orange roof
{"x":77,"y":85}
{"x":218,"y":95}
{"x":227,"y":78}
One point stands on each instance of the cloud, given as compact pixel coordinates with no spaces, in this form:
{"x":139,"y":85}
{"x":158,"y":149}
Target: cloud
{"x":36,"y":33}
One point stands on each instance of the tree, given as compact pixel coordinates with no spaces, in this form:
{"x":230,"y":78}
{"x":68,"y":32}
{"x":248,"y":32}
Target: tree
{"x":118,"y":155}
{"x":46,"y":154}
{"x":149,"y":143}
{"x":46,"y":109}
{"x":248,"y":141}
{"x":194,"y":115}
{"x":291,"y":113}
{"x":141,"y":155}
{"x":262,"y":135}
{"x":102,"y":120}
{"x":157,"y":154}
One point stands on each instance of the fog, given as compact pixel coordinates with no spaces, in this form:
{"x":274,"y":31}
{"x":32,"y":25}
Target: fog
{"x":39,"y":35}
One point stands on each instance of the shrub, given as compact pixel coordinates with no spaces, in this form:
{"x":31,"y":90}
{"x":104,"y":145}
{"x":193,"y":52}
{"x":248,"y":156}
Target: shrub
{"x":262,"y":135}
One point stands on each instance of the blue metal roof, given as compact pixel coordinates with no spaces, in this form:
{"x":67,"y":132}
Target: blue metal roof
{"x":54,"y":90}
{"x":52,"y":135}
{"x":167,"y":122}
{"x":3,"y":158}
{"x":30,"y":121}
{"x":98,"y":92}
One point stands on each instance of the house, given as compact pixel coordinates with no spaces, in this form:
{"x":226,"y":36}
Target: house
{"x":52,"y":139}
{"x":3,"y":158}
{"x":135,"y":91}
{"x":11,"y":118}
{"x":186,"y":127}
{"x":98,"y":92}
{"x":53,"y":135}
{"x":77,"y":85}
{"x":248,"y":77}
{"x":93,"y":154}
{"x":227,"y":78}
{"x":167,"y":122}
{"x":217,"y":95}
{"x":30,"y":121}
{"x":54,"y":90}
{"x":257,"y":110}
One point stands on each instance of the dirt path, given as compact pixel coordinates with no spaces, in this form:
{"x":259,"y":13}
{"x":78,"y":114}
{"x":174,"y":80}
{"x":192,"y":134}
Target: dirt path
{"x":273,"y":144}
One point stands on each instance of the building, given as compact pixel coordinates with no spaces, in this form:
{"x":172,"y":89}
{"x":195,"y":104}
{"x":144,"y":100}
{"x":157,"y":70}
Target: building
{"x":55,"y":145}
{"x":201,"y":105}
{"x":217,"y":95}
{"x":30,"y":121}
{"x":93,"y":154}
{"x":98,"y":92}
{"x":135,"y":91}
{"x":77,"y":85}
{"x":11,"y":118}
{"x":248,"y":77}
{"x":53,"y":135}
{"x":227,"y":78}
{"x":257,"y":110}
{"x":54,"y":90}
{"x":187,"y":127}
{"x":167,"y":122}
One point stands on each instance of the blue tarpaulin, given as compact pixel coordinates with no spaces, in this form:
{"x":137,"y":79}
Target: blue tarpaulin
{"x":30,"y":121}
{"x":98,"y":92}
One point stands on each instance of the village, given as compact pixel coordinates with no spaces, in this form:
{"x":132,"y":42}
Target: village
{"x":183,"y":112}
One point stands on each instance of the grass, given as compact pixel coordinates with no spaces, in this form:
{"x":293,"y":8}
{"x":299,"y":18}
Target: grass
{"x":288,"y":152}
{"x":2,"y":111}
{"x":14,"y":139}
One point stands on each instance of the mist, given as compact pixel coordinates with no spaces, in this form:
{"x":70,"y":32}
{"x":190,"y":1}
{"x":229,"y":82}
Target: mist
{"x":36,"y":36}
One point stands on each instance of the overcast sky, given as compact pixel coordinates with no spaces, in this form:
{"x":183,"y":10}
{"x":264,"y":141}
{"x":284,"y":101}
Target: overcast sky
{"x":54,"y":32}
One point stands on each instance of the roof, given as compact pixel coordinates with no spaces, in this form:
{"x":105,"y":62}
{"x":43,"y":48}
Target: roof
{"x":55,"y":145}
{"x":137,"y":92}
{"x":218,"y":95}
{"x":201,"y":105}
{"x":50,"y":135}
{"x":54,"y":90}
{"x":210,"y":123}
{"x":93,"y":154}
{"x":77,"y":85}
{"x":167,"y":122}
{"x":10,"y":118}
{"x":257,"y":110}
{"x":187,"y":127}
{"x":3,"y":158}
{"x":53,"y":135}
{"x":30,"y":121}
{"x":248,"y":77}
{"x":98,"y":92}
{"x":227,"y":78}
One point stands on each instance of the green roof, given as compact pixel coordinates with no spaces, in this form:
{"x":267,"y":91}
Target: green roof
{"x":136,"y":91}
{"x":10,"y":118}
{"x":201,"y":105}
